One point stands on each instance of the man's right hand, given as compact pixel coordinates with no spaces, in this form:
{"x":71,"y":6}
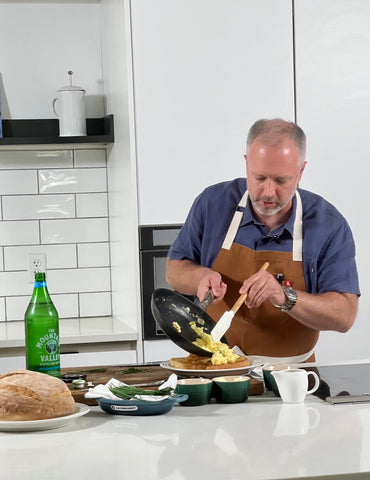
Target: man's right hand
{"x":190,"y":278}
{"x":211,"y":281}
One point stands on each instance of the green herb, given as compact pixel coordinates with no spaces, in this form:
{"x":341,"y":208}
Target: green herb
{"x":134,"y":370}
{"x":127,"y":391}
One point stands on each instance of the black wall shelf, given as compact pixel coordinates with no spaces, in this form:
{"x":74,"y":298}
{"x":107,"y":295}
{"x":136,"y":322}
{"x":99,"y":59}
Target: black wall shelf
{"x":46,"y":132}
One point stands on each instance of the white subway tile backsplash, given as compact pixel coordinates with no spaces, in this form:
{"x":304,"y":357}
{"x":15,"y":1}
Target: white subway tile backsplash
{"x":26,"y":207}
{"x":83,"y":280}
{"x":57,"y":256}
{"x":67,"y":305}
{"x":19,"y":232}
{"x":15,"y":284}
{"x":55,"y":202}
{"x":92,"y":205}
{"x":14,"y":182}
{"x":90,"y":158}
{"x":93,"y":255}
{"x":74,"y":230}
{"x":95,"y":304}
{"x":27,"y":159}
{"x":16,"y":307}
{"x":2,"y":310}
{"x":73,"y":180}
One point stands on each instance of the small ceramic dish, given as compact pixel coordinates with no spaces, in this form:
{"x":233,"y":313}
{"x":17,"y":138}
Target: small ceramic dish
{"x":139,"y":407}
{"x":70,"y":377}
{"x":79,"y":383}
{"x":231,"y":389}
{"x":198,"y":391}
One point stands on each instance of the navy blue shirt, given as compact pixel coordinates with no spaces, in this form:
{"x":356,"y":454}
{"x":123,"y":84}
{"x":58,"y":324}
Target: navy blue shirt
{"x":328,"y":248}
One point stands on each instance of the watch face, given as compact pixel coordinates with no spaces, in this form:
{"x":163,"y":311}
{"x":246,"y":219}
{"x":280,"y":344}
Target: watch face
{"x":290,"y":293}
{"x":291,"y":298}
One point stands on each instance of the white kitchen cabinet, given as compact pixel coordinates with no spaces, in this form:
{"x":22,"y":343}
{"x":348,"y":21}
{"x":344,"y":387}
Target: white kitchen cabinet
{"x":332,"y":41}
{"x":203,"y":72}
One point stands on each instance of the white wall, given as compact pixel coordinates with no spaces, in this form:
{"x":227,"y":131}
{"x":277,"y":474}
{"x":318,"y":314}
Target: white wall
{"x":40,"y":42}
{"x":333,"y":105}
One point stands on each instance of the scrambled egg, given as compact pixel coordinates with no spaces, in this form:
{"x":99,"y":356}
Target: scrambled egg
{"x":176,"y":326}
{"x":222,"y":354}
{"x":233,"y":379}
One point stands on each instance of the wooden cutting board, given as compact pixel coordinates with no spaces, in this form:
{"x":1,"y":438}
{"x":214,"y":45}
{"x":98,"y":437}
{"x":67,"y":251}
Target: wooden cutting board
{"x":131,"y":375}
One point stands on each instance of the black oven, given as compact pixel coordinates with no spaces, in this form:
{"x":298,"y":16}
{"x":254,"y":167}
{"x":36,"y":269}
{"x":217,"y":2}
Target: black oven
{"x":154,"y":241}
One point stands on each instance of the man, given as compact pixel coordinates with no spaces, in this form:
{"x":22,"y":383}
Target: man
{"x":311,"y":283}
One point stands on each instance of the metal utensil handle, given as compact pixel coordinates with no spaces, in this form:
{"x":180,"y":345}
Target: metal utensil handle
{"x":243,"y":297}
{"x":208,"y":298}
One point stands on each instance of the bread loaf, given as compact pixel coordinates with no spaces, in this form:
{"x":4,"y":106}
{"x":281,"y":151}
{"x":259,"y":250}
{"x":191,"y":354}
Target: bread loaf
{"x":194,"y":362}
{"x":27,"y":395}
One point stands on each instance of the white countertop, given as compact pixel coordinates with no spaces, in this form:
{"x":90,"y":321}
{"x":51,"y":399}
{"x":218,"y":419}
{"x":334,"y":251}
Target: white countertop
{"x":259,"y":439}
{"x":73,"y":331}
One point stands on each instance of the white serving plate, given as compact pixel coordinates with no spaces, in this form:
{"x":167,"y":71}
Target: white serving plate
{"x":185,"y":372}
{"x":47,"y":424}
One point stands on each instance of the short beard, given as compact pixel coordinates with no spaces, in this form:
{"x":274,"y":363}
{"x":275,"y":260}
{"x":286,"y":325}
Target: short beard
{"x":273,"y":211}
{"x":269,"y":212}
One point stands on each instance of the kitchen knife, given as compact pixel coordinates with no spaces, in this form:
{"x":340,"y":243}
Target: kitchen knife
{"x":225,"y":321}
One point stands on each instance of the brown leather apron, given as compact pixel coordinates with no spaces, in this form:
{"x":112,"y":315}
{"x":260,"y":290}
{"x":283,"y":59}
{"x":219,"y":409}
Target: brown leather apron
{"x":265,"y":331}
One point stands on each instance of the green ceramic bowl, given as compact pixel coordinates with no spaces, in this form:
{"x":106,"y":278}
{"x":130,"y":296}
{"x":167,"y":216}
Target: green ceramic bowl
{"x":231,"y":389}
{"x":197,"y":389}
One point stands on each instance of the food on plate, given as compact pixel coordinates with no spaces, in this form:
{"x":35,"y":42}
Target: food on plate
{"x":222,"y":353}
{"x":194,"y":362}
{"x":27,"y":395}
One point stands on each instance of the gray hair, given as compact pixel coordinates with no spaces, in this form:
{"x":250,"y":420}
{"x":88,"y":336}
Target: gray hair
{"x":273,"y":132}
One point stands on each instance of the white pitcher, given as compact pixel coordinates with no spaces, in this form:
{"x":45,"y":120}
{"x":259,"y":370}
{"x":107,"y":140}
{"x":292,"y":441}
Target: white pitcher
{"x":70,"y":104}
{"x":293,"y":384}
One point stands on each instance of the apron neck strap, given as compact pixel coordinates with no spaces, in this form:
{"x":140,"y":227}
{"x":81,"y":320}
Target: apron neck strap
{"x":297,"y":230}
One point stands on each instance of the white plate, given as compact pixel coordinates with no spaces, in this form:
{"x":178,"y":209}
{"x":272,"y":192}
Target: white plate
{"x":185,"y":372}
{"x":47,"y":424}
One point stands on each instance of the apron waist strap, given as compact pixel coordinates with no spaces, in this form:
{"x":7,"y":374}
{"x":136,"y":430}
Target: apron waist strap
{"x":258,"y":359}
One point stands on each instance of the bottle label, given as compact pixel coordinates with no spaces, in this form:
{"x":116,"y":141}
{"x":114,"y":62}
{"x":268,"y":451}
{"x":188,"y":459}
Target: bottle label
{"x":44,"y":356}
{"x":40,"y":284}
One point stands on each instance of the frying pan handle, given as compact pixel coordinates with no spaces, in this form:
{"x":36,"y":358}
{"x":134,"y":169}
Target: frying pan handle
{"x":206,"y":300}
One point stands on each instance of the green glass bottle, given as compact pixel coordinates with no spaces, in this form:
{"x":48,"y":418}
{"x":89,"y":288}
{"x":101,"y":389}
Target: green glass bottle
{"x":42,"y":331}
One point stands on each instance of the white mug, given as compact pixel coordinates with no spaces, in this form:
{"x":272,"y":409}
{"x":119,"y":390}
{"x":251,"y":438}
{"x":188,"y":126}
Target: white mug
{"x":293,"y":384}
{"x":296,"y":419}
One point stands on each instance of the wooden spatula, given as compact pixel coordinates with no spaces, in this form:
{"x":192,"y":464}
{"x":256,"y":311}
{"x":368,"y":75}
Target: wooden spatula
{"x":225,"y":321}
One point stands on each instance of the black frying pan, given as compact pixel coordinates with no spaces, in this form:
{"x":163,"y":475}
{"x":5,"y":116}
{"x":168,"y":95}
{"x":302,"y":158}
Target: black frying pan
{"x":168,"y":307}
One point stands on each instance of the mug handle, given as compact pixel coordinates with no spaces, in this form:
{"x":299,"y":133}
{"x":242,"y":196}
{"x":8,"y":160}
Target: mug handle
{"x":54,"y":101}
{"x":317,"y":382}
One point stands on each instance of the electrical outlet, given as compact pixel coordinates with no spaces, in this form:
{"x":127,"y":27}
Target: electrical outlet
{"x":36,"y":263}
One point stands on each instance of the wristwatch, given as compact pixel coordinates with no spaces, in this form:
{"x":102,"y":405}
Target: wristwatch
{"x":290,"y":299}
